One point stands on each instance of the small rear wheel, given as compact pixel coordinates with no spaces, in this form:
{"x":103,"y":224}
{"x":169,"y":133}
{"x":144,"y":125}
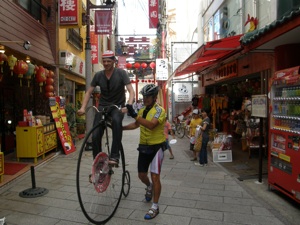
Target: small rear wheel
{"x":126,"y":186}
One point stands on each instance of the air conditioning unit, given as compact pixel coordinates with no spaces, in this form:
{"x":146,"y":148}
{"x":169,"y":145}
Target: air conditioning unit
{"x":65,"y":58}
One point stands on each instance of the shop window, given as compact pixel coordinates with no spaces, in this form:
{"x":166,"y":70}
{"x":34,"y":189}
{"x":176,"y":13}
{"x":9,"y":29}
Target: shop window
{"x":284,"y":7}
{"x":32,"y":7}
{"x":74,"y":38}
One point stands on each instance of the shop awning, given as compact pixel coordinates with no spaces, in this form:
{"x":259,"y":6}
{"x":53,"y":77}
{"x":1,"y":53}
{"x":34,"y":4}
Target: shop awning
{"x":209,"y":54}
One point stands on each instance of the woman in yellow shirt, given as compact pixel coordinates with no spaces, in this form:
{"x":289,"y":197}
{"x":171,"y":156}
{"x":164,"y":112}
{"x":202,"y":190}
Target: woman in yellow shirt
{"x":196,"y":120}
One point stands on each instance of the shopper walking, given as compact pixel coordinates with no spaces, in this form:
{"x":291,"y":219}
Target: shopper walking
{"x":168,"y":130}
{"x":204,"y":127}
{"x":196,"y":120}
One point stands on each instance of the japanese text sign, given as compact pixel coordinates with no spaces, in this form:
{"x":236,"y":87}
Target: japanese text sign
{"x":103,"y":21}
{"x":153,"y":13}
{"x":68,"y":12}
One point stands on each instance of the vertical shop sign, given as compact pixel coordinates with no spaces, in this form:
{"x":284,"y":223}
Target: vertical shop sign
{"x":57,"y":106}
{"x":68,"y":12}
{"x":162,"y":69}
{"x":153,"y":13}
{"x":103,"y":21}
{"x":94,"y":45}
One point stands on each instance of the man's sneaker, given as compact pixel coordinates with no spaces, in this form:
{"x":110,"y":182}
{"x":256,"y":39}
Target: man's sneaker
{"x":198,"y":164}
{"x":148,"y":195}
{"x":113,"y":162}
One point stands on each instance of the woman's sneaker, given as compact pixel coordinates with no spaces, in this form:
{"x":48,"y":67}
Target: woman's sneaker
{"x":148,"y":195}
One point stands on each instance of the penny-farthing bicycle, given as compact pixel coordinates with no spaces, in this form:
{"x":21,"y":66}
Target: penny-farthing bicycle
{"x":100,"y":186}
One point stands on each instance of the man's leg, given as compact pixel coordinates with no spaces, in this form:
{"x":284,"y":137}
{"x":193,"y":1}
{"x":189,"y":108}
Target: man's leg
{"x":117,"y":118}
{"x":156,"y":187}
{"x":97,"y":136}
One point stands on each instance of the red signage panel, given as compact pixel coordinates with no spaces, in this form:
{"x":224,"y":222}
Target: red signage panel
{"x":57,"y":106}
{"x":68,"y":12}
{"x":103,"y":21}
{"x":94,"y":45}
{"x":153,"y":13}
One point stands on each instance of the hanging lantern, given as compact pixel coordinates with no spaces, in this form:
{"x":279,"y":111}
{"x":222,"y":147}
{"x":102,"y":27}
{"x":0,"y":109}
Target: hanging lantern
{"x":49,"y":81}
{"x":49,"y":88}
{"x":11,"y":63}
{"x":3,"y":58}
{"x":46,"y":73}
{"x":36,"y":69}
{"x":41,"y":76}
{"x":29,"y":73}
{"x":137,"y":65}
{"x":128,"y":65}
{"x":144,"y":65}
{"x":149,"y":81}
{"x":51,"y":74}
{"x":20,"y":69}
{"x":49,"y":94}
{"x":152,"y":65}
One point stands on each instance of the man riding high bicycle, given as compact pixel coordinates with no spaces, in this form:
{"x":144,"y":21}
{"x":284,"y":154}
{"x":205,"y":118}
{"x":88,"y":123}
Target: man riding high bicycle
{"x":111,"y":81}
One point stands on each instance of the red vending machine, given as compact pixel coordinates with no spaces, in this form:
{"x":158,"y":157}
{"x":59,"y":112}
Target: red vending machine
{"x":284,"y":134}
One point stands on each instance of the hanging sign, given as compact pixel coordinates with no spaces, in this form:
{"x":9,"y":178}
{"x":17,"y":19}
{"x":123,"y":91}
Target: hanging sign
{"x":70,"y":13}
{"x":182,"y":92}
{"x":94,"y":45}
{"x":162,"y":69}
{"x":259,"y":106}
{"x":57,"y":106}
{"x":103,"y":21}
{"x":153,"y":13}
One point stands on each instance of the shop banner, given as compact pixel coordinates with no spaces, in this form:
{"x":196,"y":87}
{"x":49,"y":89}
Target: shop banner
{"x":69,"y":12}
{"x":103,"y":21}
{"x":153,"y":13}
{"x":94,"y":45}
{"x":162,"y":69}
{"x":57,"y":106}
{"x":182,"y":92}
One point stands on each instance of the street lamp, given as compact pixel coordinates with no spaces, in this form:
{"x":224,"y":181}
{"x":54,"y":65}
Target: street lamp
{"x":88,"y":60}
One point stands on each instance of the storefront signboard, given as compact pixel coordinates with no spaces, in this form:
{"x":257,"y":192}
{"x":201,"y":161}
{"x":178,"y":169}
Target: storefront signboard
{"x":182,"y":92}
{"x":57,"y":106}
{"x":153,"y":13}
{"x":259,"y":106}
{"x":70,"y":13}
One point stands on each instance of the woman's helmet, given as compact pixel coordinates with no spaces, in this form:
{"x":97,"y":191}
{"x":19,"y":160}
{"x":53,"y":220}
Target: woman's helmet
{"x":149,"y":90}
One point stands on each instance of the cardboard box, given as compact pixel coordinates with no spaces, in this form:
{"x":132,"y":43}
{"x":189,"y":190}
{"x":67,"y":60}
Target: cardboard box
{"x":222,"y":156}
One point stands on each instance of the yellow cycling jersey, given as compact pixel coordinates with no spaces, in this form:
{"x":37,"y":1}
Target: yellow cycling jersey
{"x":155,"y":136}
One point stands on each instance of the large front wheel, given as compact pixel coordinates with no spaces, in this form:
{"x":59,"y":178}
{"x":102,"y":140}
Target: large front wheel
{"x":99,"y":186}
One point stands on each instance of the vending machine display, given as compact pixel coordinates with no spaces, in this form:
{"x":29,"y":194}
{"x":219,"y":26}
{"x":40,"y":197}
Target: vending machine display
{"x":284,"y":152}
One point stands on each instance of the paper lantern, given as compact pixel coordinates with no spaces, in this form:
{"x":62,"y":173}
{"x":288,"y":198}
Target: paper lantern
{"x":49,"y":81}
{"x":49,"y":94}
{"x":3,"y":58}
{"x":41,"y":76}
{"x":128,"y":65}
{"x":20,"y":69}
{"x":51,"y":74}
{"x":144,"y":65}
{"x":152,"y":65}
{"x":137,"y":65}
{"x":29,"y":73}
{"x":11,"y":60}
{"x":49,"y":88}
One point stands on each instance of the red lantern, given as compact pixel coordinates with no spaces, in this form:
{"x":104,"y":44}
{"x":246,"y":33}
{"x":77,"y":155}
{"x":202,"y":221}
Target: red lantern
{"x":29,"y":73}
{"x":51,"y":74}
{"x":49,"y":81}
{"x":49,"y":94}
{"x":137,"y":65}
{"x":41,"y":76}
{"x":149,"y":81}
{"x":144,"y":65}
{"x":47,"y":73}
{"x":152,"y":65}
{"x":49,"y":88}
{"x":20,"y":69}
{"x":128,"y":65}
{"x":3,"y":58}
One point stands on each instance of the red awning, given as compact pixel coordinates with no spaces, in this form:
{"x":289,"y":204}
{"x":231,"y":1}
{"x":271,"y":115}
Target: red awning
{"x":209,"y":54}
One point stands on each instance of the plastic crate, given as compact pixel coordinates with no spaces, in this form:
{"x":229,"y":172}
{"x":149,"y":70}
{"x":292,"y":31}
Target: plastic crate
{"x":222,"y":156}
